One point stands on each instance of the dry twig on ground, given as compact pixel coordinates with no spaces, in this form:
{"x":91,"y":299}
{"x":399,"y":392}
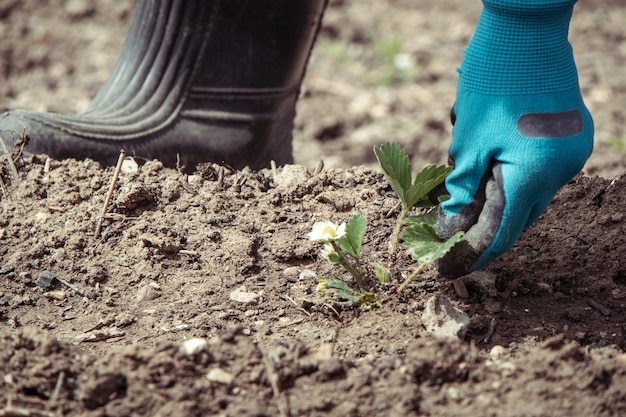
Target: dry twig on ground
{"x":107,"y":201}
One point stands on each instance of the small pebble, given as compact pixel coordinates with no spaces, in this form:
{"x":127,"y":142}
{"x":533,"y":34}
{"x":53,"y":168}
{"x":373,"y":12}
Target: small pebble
{"x":195,"y":180}
{"x":443,"y":320}
{"x":129,"y":165}
{"x":485,"y":281}
{"x":244,"y":297}
{"x":497,"y":352}
{"x":291,"y":272}
{"x":227,"y":335}
{"x":42,"y":217}
{"x":79,"y":8}
{"x":508,"y":368}
{"x":55,"y":295}
{"x":124,"y":319}
{"x":44,"y":280}
{"x":193,"y":346}
{"x":460,"y":288}
{"x":292,"y":175}
{"x":308,"y":274}
{"x":453,"y":394}
{"x":149,"y":292}
{"x":220,"y":376}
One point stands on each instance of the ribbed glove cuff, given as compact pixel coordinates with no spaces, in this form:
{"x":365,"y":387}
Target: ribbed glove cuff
{"x":520,"y":47}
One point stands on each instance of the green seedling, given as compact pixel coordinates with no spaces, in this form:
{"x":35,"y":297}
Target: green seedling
{"x":342,"y":247}
{"x":363,"y":299}
{"x":396,"y":167}
{"x":343,"y":244}
{"x":397,"y":65}
{"x":382,"y":275}
{"x":420,"y":237}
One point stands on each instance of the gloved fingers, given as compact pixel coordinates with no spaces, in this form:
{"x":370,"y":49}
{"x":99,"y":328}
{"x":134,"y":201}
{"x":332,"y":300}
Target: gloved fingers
{"x":481,"y":221}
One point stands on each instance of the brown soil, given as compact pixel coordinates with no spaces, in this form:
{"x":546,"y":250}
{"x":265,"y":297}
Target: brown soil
{"x":93,"y":326}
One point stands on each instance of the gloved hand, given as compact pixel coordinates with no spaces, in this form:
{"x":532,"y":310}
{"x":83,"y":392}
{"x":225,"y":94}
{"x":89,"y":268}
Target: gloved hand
{"x":521,"y":130}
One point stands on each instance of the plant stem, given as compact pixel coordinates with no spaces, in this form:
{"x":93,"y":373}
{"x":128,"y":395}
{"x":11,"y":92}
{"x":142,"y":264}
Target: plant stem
{"x":393,"y":242}
{"x":345,"y":262}
{"x":411,"y":277}
{"x":395,"y":237}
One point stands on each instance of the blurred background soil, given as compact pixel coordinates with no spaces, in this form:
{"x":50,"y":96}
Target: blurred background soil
{"x":381,"y":70}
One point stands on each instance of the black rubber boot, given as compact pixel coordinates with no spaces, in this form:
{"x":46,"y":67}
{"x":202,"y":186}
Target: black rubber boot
{"x":204,"y":80}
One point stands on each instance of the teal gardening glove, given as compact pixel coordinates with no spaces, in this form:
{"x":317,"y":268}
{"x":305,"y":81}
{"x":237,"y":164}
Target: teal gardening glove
{"x":521,"y":130}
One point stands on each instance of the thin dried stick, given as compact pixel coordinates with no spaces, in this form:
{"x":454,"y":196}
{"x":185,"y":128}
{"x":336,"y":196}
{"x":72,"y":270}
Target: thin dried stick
{"x":410,"y":279}
{"x":107,"y":201}
{"x":72,"y":287}
{"x":333,"y":309}
{"x":273,"y":166}
{"x":288,"y":298}
{"x":10,"y":159}
{"x":57,"y":388}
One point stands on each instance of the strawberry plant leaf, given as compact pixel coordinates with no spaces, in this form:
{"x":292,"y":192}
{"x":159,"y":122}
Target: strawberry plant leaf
{"x":424,"y":245}
{"x":365,"y":300}
{"x":396,"y":167}
{"x":355,"y":231}
{"x":429,"y":218}
{"x":343,"y":291}
{"x":425,"y":181}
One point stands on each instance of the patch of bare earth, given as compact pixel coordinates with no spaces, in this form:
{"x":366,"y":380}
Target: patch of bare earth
{"x":99,"y":325}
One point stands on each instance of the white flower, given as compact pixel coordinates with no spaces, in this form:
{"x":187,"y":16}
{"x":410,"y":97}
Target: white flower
{"x":327,"y":232}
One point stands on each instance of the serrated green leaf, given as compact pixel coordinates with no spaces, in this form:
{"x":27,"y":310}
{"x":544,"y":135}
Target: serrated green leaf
{"x":396,"y":167}
{"x":429,"y":218}
{"x":365,"y":300}
{"x":425,"y":181}
{"x":355,"y":230}
{"x":343,"y":291}
{"x":424,"y":245}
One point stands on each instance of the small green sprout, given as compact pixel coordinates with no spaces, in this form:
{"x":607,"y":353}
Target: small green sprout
{"x":397,"y":65}
{"x":363,"y":299}
{"x":382,"y":275}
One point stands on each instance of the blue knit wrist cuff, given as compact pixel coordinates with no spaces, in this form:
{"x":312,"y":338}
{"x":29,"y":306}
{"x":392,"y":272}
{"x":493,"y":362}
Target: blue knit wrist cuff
{"x":520,"y":47}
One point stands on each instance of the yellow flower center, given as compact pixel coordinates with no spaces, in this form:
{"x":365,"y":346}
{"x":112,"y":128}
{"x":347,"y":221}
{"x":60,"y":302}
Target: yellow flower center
{"x":329,"y":231}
